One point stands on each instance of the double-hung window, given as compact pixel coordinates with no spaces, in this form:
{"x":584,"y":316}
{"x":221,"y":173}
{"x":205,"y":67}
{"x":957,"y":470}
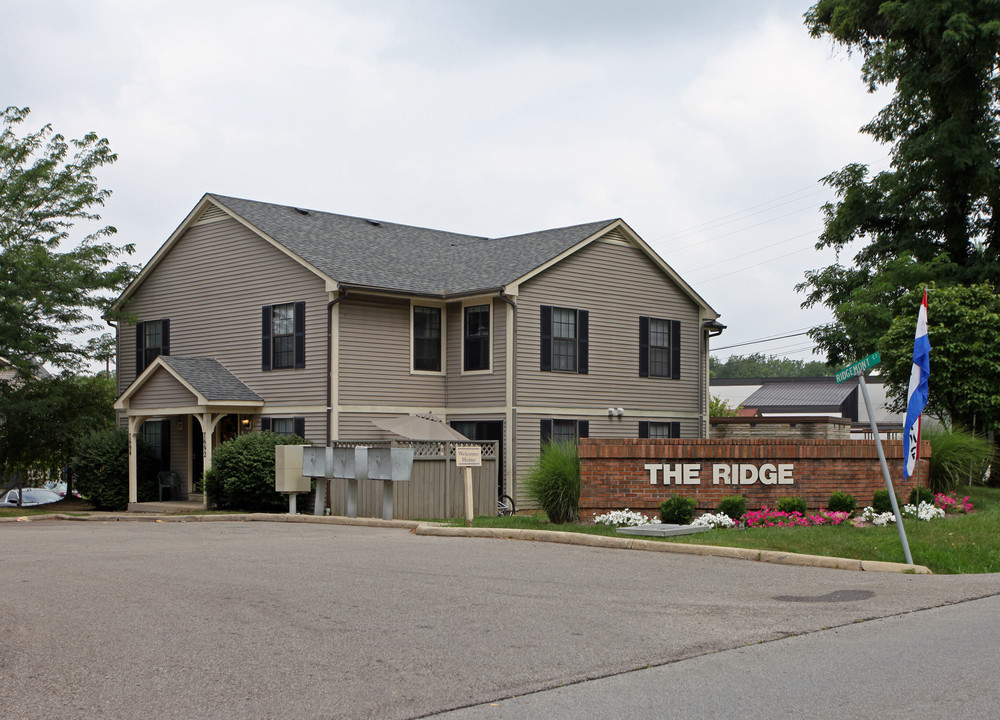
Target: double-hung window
{"x":659,"y":430}
{"x":427,"y":338}
{"x":476,"y":338}
{"x":565,"y":339}
{"x":283,"y":336}
{"x":284,"y":425}
{"x":152,"y":338}
{"x":557,"y":430}
{"x":659,"y":348}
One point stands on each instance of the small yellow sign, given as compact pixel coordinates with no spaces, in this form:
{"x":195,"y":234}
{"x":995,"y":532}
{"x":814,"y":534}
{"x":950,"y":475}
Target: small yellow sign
{"x":469,"y":456}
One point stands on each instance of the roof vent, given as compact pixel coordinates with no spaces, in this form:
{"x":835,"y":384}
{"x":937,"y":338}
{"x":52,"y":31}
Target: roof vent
{"x":300,"y":211}
{"x":376,"y":223}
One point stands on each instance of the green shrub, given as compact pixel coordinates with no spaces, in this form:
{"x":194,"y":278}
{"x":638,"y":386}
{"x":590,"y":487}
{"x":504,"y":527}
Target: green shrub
{"x":242,"y":473}
{"x":677,"y":510}
{"x":957,"y":457}
{"x":921,"y":494}
{"x":881,"y":502}
{"x":791,"y":504}
{"x":842,"y":502}
{"x":554,"y":482}
{"x":100,"y":469}
{"x":735,"y":506}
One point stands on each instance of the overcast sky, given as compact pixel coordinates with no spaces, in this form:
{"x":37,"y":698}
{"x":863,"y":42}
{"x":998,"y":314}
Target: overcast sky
{"x":705,"y":126}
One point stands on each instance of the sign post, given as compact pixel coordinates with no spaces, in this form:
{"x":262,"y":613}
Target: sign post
{"x":858,"y":370}
{"x":468,"y":458}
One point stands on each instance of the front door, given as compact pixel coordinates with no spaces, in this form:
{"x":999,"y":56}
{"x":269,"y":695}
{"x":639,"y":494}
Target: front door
{"x":485,"y":430}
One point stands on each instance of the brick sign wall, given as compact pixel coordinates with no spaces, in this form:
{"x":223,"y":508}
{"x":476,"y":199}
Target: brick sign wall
{"x":640,"y":474}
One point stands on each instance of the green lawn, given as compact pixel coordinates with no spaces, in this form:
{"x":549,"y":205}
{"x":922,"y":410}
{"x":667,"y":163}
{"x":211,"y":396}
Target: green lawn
{"x":953,"y":544}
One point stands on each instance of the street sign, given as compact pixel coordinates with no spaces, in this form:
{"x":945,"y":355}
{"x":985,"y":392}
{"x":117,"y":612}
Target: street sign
{"x":859,"y":367}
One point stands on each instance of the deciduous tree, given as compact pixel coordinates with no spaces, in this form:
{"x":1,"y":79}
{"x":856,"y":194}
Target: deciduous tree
{"x":50,"y":287}
{"x":934,"y":215}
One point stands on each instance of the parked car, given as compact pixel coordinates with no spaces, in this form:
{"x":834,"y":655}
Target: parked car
{"x":32,"y":496}
{"x":59,"y":488}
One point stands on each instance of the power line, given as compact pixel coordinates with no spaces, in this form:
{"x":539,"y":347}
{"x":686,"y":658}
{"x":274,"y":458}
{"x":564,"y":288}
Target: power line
{"x":757,"y":342}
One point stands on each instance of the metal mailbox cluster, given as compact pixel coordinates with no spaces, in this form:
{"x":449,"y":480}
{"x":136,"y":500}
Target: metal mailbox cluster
{"x":387,"y":465}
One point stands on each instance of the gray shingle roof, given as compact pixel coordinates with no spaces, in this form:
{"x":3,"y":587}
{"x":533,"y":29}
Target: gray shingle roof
{"x":800,"y":394}
{"x":388,"y":256}
{"x":210,"y":378}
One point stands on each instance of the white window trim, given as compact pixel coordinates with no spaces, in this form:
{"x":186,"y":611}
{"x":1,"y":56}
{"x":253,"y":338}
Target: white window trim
{"x":444,"y":336}
{"x":488,"y":302}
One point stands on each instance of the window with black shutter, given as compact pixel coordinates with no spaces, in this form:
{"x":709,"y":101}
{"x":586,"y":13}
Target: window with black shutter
{"x":659,"y":348}
{"x":283,"y":336}
{"x":152,"y":339}
{"x":565,"y":339}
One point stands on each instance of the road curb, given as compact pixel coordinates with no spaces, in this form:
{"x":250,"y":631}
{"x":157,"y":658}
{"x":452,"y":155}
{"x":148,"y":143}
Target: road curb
{"x":769,"y":556}
{"x":553,"y":536}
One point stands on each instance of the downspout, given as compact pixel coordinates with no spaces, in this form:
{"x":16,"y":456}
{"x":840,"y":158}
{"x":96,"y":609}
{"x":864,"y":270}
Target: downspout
{"x":512,"y":443}
{"x":710,"y":329}
{"x":329,"y":363}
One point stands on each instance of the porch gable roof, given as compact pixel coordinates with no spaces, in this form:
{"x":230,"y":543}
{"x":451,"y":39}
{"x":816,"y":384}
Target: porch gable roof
{"x":206,"y":378}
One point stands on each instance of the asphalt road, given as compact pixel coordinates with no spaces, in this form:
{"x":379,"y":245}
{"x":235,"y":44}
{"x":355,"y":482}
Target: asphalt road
{"x":260,"y":620}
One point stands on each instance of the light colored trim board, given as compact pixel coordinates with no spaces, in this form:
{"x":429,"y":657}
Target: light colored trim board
{"x":440,"y":411}
{"x":334,"y":409}
{"x":603,"y":412}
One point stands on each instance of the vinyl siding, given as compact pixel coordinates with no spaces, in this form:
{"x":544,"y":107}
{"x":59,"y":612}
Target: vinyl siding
{"x":358,"y":426}
{"x":375,"y":356}
{"x":162,"y":390}
{"x":477,"y":389}
{"x":211,"y":286}
{"x":616,"y":284}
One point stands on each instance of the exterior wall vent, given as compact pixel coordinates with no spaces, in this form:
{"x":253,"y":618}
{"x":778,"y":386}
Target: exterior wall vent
{"x":212,"y":213}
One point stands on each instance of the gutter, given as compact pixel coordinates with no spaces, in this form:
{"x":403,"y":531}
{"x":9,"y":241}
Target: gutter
{"x":710,"y":329}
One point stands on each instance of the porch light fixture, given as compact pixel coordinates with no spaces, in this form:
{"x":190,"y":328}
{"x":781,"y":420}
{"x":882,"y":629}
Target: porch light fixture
{"x":611,"y":412}
{"x":619,"y":412}
{"x":245,"y":424}
{"x":180,"y":424}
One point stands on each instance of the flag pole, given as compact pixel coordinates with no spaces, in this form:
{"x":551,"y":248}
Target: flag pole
{"x":885,"y":469}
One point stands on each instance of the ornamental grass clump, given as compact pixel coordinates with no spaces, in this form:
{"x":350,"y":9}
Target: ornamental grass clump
{"x":554,"y":482}
{"x":957,"y":456}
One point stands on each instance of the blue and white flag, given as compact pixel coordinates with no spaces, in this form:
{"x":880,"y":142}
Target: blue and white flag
{"x":916,"y":395}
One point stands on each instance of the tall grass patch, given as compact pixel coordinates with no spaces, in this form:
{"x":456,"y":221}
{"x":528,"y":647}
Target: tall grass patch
{"x":958,"y":456}
{"x":554,"y":482}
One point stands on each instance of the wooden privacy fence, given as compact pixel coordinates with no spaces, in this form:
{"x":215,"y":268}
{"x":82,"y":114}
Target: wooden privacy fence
{"x":435,"y":488}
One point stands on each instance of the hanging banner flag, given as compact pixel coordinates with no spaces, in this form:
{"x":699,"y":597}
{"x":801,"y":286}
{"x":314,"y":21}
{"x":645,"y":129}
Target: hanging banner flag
{"x":916,"y":395}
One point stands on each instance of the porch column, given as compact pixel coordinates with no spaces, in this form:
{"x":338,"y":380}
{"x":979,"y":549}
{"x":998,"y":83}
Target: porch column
{"x":134,"y":423}
{"x":208,"y":421}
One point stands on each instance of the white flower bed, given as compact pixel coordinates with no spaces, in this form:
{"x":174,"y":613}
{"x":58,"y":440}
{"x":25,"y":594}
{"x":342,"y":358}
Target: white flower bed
{"x":623,"y":518}
{"x":714,"y":521}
